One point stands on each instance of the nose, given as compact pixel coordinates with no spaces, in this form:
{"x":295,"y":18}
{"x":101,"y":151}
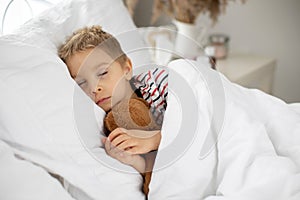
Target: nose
{"x":96,"y":90}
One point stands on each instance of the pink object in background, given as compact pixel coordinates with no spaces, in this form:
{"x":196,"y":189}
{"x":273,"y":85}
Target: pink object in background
{"x":220,"y":44}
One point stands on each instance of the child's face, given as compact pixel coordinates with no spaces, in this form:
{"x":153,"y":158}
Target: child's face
{"x":105,"y":81}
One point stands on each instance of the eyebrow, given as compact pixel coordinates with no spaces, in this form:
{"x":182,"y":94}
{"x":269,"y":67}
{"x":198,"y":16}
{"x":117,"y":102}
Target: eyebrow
{"x":100,"y":65}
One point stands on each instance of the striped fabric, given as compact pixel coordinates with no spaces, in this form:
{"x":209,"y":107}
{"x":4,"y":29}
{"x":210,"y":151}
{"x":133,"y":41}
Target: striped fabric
{"x":153,"y":86}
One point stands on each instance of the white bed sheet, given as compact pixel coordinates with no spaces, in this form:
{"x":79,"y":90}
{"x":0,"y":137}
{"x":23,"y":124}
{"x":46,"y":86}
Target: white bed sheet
{"x":21,"y":179}
{"x":257,"y":154}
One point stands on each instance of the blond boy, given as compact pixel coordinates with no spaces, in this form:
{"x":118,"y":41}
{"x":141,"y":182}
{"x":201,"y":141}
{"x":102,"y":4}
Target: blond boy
{"x":97,"y":63}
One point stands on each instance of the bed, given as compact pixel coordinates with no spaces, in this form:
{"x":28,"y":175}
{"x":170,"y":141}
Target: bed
{"x":219,"y":140}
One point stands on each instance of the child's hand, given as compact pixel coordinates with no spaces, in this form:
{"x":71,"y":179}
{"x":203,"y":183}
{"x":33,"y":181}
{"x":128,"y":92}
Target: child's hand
{"x":135,"y":141}
{"x":136,"y":161}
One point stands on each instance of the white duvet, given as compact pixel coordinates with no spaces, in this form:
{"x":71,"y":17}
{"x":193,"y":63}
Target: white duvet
{"x":219,"y":141}
{"x":223,"y":141}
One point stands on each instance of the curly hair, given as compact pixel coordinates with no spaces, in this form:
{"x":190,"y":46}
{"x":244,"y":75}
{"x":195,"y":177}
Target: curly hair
{"x":91,"y":37}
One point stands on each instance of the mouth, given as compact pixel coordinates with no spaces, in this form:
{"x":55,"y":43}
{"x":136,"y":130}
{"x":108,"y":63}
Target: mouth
{"x":103,"y":100}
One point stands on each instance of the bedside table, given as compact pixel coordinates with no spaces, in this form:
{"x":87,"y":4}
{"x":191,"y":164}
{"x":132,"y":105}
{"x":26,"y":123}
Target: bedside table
{"x":251,"y":71}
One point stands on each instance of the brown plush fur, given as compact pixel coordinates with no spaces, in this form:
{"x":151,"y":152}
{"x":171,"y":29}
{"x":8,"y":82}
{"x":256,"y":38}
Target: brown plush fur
{"x":134,"y":114}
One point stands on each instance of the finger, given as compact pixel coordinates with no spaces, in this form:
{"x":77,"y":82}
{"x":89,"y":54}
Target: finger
{"x":107,"y":145}
{"x":132,"y":150}
{"x":121,"y":138}
{"x":115,"y":133}
{"x":103,"y":140}
{"x":110,"y":149}
{"x":126,"y":144}
{"x":111,"y":146}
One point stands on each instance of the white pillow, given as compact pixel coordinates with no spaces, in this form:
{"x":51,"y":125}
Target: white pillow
{"x":45,"y":117}
{"x":51,"y":28}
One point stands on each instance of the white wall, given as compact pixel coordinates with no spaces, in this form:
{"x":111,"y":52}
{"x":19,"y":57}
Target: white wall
{"x":17,"y":12}
{"x":265,"y":27}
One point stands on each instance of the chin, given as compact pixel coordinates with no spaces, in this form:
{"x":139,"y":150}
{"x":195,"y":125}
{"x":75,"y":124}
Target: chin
{"x":106,"y":108}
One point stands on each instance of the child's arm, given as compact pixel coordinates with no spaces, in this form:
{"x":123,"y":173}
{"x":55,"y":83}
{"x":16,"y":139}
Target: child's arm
{"x":136,"y":161}
{"x":135,"y":141}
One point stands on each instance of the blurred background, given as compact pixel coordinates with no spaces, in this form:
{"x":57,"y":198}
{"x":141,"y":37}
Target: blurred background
{"x":268,"y":28}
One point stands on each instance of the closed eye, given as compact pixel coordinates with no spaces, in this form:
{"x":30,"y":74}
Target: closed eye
{"x":81,"y":83}
{"x":102,"y":74}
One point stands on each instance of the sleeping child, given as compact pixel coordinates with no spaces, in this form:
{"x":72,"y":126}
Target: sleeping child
{"x":99,"y":66}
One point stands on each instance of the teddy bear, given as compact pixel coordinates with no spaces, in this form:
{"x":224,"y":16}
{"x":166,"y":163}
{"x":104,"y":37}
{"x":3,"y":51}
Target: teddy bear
{"x":131,"y":114}
{"x":134,"y":114}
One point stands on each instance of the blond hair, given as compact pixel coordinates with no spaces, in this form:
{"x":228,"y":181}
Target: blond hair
{"x":91,"y":37}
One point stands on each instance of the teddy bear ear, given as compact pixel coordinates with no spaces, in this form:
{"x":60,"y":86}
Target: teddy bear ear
{"x":141,"y":100}
{"x":139,"y":113}
{"x":146,"y":121}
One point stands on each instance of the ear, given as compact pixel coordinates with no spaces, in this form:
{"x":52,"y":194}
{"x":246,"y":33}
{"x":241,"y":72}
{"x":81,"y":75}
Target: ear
{"x":127,"y":67}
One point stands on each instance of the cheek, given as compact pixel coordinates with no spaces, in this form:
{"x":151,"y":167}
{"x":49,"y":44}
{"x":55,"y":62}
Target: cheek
{"x":118,"y":88}
{"x":120,"y":92}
